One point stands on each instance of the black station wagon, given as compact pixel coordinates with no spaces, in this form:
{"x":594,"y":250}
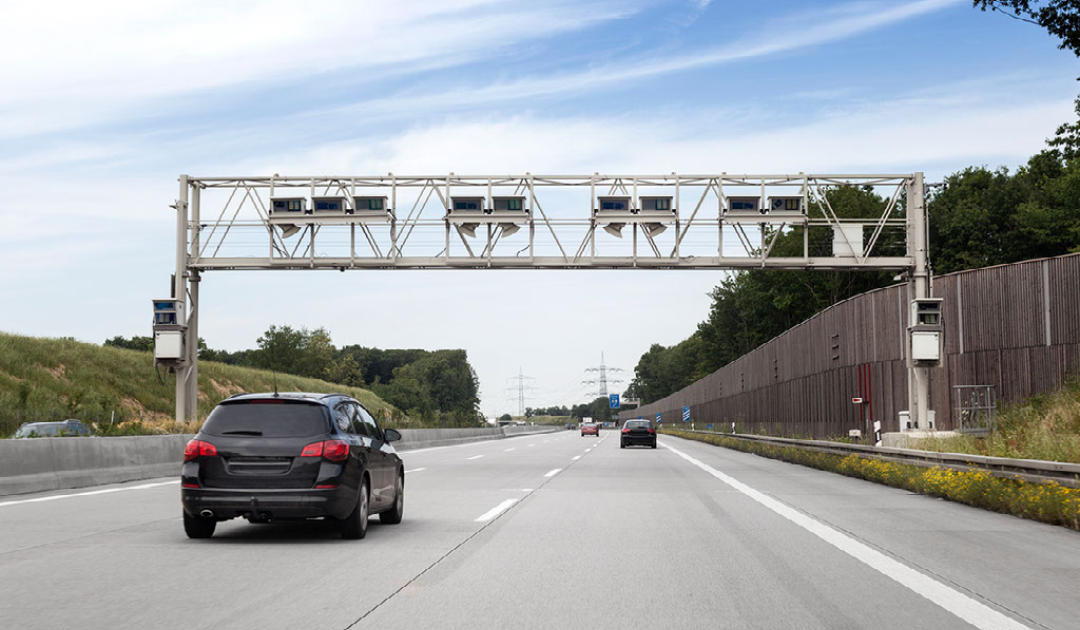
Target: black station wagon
{"x":271,"y":457}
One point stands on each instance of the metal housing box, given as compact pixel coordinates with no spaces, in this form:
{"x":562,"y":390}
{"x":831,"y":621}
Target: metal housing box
{"x":925,"y":346}
{"x":328,"y":205}
{"x":785,"y":205}
{"x":515,"y":205}
{"x":169,"y":345}
{"x":369,"y":204}
{"x":288,"y":205}
{"x":744,"y":205}
{"x":659,"y":205}
{"x":612,"y":205}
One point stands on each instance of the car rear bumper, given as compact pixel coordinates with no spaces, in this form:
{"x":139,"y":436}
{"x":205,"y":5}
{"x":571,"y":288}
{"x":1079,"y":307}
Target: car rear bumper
{"x":269,"y":504}
{"x":644,"y":440}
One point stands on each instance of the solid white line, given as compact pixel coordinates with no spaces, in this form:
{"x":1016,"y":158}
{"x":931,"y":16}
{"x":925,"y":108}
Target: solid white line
{"x":554,"y":472}
{"x":495,"y":511}
{"x":414,"y":470}
{"x":972,"y":611}
{"x":54,"y":497}
{"x":474,"y":457}
{"x":577,"y":456}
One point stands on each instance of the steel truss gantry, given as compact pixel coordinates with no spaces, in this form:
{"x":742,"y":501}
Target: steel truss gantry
{"x":541,"y":222}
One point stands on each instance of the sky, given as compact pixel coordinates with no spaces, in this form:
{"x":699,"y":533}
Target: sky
{"x":104,"y":104}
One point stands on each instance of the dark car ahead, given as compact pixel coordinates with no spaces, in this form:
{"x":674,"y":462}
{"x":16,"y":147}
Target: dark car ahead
{"x":270,"y":457}
{"x":63,"y":428}
{"x":640,"y":432}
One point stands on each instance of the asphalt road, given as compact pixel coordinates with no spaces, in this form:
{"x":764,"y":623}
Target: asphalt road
{"x":551,"y":531}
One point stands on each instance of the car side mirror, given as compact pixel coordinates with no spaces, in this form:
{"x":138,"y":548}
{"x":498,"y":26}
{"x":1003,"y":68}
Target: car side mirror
{"x":392,"y":435}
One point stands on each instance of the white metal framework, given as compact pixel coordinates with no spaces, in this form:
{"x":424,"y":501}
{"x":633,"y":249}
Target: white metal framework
{"x":675,"y":221}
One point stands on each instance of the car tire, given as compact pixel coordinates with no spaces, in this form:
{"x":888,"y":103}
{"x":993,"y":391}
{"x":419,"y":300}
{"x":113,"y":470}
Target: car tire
{"x":394,"y":514}
{"x":654,"y":444}
{"x":199,"y":527}
{"x":622,"y":444}
{"x":354,"y":527}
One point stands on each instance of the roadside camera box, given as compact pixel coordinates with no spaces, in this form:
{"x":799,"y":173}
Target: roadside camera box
{"x":369,"y":204}
{"x":744,"y":205}
{"x":288,"y":205}
{"x":661,"y":205}
{"x":613,"y":204}
{"x":785,"y":205}
{"x":508,"y":204}
{"x":328,"y":205}
{"x":466,"y":204}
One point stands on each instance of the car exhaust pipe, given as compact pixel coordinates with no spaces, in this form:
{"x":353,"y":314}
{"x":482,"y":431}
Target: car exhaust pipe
{"x":207,"y":514}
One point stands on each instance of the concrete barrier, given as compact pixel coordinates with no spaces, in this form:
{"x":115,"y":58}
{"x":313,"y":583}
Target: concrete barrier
{"x":42,"y":464}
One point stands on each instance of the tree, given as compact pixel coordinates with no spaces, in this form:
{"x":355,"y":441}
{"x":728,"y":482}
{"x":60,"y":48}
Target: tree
{"x":142,"y":344}
{"x":505,"y":418}
{"x":1060,"y":18}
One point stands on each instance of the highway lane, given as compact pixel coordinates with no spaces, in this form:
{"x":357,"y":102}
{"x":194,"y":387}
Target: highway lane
{"x":597,"y":538}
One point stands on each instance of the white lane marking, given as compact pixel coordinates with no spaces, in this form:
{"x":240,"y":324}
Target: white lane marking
{"x":974,"y":612}
{"x":141,"y":486}
{"x":577,"y":456}
{"x":439,"y":448}
{"x":531,"y":445}
{"x":474,"y":457}
{"x":508,"y":450}
{"x":525,"y":489}
{"x":554,"y":472}
{"x":414,"y":470}
{"x":495,"y":511}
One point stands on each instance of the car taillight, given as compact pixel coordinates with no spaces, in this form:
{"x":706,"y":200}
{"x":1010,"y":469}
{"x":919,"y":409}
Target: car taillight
{"x":196,"y":448}
{"x":626,"y":430}
{"x":333,"y":450}
{"x":651,"y":430}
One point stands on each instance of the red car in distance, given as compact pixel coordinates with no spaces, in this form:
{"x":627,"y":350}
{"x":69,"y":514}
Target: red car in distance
{"x":590,"y":429}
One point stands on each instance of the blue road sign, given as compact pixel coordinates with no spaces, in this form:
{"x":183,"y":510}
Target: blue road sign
{"x":613,"y":400}
{"x":686,"y":414}
{"x":658,"y":417}
{"x":708,"y":426}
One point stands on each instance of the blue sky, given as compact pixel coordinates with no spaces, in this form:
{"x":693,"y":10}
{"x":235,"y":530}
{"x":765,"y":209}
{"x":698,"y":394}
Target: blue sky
{"x":104,"y":104}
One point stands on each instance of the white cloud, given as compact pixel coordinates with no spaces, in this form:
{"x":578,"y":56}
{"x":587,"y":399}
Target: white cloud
{"x":68,"y":64}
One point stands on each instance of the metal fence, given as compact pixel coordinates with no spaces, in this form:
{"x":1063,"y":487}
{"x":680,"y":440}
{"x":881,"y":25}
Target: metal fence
{"x":1016,"y":327}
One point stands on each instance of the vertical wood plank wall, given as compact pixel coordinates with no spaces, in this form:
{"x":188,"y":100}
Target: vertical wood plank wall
{"x":1013,"y":326}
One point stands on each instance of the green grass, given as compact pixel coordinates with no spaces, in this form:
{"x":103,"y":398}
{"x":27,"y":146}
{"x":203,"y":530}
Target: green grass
{"x":1050,"y":503}
{"x":1045,"y":427}
{"x":54,"y":379}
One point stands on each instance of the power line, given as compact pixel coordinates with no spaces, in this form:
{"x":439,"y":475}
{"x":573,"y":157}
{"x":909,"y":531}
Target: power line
{"x":521,"y":378}
{"x":604,"y":379}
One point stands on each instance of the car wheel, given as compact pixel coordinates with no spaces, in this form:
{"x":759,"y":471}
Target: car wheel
{"x":622,"y":444}
{"x":654,"y":444}
{"x":354,"y":527}
{"x":198,"y":527}
{"x":394,"y":514}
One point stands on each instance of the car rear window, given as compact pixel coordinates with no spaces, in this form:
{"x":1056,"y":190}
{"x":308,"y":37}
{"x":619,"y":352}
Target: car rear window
{"x":283,"y":419}
{"x":637,"y":425}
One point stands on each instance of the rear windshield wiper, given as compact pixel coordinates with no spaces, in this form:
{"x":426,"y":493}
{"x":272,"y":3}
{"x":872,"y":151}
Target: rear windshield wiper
{"x":256,"y":433}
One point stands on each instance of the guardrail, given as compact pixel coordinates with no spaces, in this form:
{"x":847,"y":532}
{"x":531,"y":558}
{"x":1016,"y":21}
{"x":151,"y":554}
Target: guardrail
{"x":1029,"y":470}
{"x":42,"y":464}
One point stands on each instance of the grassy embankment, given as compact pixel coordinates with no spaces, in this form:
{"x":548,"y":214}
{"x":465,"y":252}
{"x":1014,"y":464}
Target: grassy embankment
{"x":119,"y":392}
{"x":1049,"y":503}
{"x":1044,"y":427}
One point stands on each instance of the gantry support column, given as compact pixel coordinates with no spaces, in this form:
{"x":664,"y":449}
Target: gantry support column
{"x":918,"y":287}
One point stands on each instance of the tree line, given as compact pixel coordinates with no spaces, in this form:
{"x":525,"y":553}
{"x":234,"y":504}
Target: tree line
{"x":431,"y":385}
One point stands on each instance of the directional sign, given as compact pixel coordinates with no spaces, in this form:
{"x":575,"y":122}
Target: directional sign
{"x":658,"y":417}
{"x":686,"y":414}
{"x":613,"y":401}
{"x":709,"y":427}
